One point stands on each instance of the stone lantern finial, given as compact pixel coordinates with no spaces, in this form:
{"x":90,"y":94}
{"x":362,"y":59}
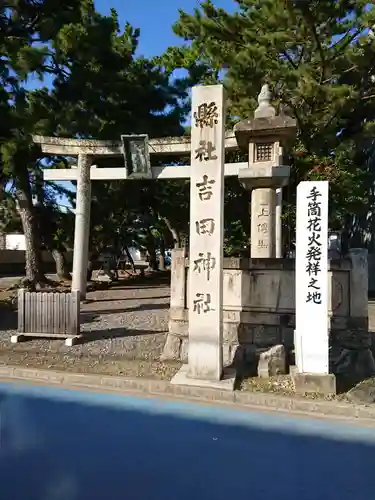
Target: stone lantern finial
{"x":265,"y":109}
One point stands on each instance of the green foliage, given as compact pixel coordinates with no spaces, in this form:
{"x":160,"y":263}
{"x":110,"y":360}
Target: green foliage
{"x":99,"y":89}
{"x":318,"y":58}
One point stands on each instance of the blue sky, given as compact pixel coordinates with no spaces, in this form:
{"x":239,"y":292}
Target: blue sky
{"x":155,"y":19}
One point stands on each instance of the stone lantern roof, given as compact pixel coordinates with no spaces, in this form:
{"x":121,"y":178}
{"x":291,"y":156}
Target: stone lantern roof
{"x":265,"y":123}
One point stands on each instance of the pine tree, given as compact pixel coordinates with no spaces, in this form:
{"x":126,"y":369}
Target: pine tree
{"x":99,"y":89}
{"x":318,"y":58}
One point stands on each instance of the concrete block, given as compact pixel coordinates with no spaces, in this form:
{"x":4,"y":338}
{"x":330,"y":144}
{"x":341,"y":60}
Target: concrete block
{"x":172,"y":348}
{"x":226,"y":383}
{"x":324,"y":383}
{"x":72,"y":341}
{"x":14,"y":339}
{"x":272,"y":362}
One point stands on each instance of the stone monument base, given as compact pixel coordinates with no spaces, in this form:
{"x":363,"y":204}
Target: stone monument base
{"x":259,"y":316}
{"x":317,"y":383}
{"x":225,"y":384}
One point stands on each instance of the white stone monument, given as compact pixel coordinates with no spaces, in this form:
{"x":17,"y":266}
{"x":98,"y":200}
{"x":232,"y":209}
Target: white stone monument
{"x":205,"y":294}
{"x":311,"y":334}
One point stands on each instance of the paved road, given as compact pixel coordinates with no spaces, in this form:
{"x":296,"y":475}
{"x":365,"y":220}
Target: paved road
{"x":68,"y":445}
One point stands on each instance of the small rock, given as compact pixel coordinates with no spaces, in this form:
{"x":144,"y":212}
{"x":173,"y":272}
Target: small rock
{"x":363,"y":393}
{"x":172,"y":348}
{"x":272,"y":362}
{"x":353,"y":363}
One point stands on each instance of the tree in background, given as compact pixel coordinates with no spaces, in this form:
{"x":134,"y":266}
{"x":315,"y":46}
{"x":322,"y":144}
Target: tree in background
{"x":318,"y":58}
{"x":99,"y":89}
{"x":26,"y":31}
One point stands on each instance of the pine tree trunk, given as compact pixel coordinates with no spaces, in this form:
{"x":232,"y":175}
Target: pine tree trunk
{"x":34,"y":271}
{"x":153,"y":262}
{"x":151,"y":250}
{"x":162,"y":256}
{"x":90,"y":270}
{"x":130,"y":258}
{"x":175,"y":234}
{"x":61,"y":267}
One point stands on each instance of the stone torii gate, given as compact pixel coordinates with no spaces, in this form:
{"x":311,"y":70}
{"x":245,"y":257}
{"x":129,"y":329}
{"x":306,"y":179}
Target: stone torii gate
{"x":86,"y":171}
{"x":88,"y":150}
{"x":262,"y":175}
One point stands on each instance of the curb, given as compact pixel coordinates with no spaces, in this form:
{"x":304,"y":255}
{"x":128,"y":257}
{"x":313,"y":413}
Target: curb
{"x":162,"y":388}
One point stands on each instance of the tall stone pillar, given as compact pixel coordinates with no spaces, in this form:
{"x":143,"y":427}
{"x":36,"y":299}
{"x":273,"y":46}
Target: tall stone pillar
{"x":205,"y":297}
{"x":82,"y":226}
{"x":263,"y":136}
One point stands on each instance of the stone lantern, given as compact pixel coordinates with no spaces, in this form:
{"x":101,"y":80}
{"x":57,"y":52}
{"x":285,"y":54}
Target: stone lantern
{"x":263,"y":136}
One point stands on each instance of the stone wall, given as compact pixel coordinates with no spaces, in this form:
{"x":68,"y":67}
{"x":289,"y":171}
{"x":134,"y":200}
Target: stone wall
{"x":371,"y":274}
{"x":259,"y":305}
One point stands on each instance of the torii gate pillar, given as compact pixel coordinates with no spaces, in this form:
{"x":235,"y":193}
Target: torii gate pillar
{"x":82,"y":226}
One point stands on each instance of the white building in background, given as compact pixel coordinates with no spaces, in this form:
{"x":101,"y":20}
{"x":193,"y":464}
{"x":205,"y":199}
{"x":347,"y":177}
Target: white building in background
{"x":135,"y":253}
{"x":15,"y":241}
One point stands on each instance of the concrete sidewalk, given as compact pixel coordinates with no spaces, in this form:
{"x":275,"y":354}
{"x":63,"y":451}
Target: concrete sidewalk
{"x":363,"y":415}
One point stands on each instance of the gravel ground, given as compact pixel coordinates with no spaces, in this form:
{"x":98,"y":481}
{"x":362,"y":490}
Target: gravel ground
{"x":126,"y":329}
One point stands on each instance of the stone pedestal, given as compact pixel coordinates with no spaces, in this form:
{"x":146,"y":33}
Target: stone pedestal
{"x":315,"y":383}
{"x":259,"y":313}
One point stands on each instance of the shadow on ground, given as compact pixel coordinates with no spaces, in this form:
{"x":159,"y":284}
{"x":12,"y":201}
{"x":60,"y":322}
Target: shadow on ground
{"x":88,"y":316}
{"x":153,"y":280}
{"x":118,"y":299}
{"x":112,"y":333}
{"x":8,"y":318}
{"x":78,"y":446}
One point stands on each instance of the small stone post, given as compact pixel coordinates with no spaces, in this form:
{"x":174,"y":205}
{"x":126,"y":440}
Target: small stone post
{"x":262,"y":136}
{"x":82,"y":226}
{"x":178,"y":279}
